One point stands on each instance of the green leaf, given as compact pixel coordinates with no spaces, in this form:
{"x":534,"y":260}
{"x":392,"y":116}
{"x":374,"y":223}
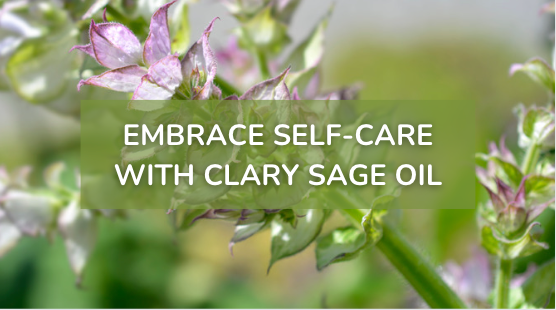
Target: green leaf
{"x":539,"y":188}
{"x":347,"y":151}
{"x":539,"y":287}
{"x":309,"y":52}
{"x":536,"y":124}
{"x":346,"y":243}
{"x":200,"y":192}
{"x":283,"y":196}
{"x":287,"y":240}
{"x":263,"y":32}
{"x":508,"y":172}
{"x":179,"y":27}
{"x":52,"y":175}
{"x":36,"y":70}
{"x":188,"y":216}
{"x":245,"y":231}
{"x":133,"y":153}
{"x":306,"y":57}
{"x":538,"y":70}
{"x":505,"y":248}
{"x":538,"y":184}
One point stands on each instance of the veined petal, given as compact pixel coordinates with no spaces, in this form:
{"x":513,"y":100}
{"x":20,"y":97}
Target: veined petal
{"x":295,"y":94}
{"x":32,"y":214}
{"x":9,"y":234}
{"x":149,"y":90}
{"x":199,"y":57}
{"x":208,"y":54}
{"x":167,"y":72}
{"x":114,"y":45}
{"x":504,"y":191}
{"x":78,"y":228}
{"x":272,"y":89}
{"x":87,"y":48}
{"x":157,"y":45}
{"x":519,"y":199}
{"x":124,"y":79}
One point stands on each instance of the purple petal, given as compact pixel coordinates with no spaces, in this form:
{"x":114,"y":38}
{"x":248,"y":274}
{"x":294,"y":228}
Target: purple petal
{"x":519,"y":199}
{"x":79,"y":230}
{"x":274,"y":88}
{"x":216,"y":92}
{"x":208,"y":91}
{"x":124,"y":79}
{"x":483,"y":176}
{"x":295,"y":95}
{"x":199,"y":57}
{"x":167,"y":72}
{"x":9,"y":234}
{"x":504,"y":190}
{"x":157,"y":45}
{"x":493,"y":149}
{"x":114,"y":45}
{"x":149,"y":90}
{"x":514,"y":68}
{"x":232,"y":97}
{"x":88,"y":49}
{"x":312,"y":88}
{"x":496,"y":201}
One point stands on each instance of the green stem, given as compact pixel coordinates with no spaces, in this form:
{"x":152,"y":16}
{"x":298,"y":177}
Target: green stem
{"x":226,"y":88}
{"x":263,"y":65}
{"x":502,"y":285}
{"x":420,"y":273}
{"x":531,"y":157}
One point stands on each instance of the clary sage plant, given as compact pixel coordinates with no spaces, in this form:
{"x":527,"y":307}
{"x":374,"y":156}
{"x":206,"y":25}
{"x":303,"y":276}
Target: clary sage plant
{"x":520,"y":186}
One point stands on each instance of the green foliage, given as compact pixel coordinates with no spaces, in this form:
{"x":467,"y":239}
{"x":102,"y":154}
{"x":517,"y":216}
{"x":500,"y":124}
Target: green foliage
{"x":345,"y":243}
{"x":539,"y":71}
{"x":288,"y":239}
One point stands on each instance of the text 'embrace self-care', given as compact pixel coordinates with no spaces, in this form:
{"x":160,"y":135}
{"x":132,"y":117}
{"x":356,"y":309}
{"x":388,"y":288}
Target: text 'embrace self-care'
{"x":298,"y":135}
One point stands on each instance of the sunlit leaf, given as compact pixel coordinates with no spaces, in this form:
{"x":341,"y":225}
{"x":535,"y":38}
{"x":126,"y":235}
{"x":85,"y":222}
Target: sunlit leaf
{"x":36,"y":71}
{"x":287,"y":240}
{"x":346,"y":243}
{"x":538,"y":70}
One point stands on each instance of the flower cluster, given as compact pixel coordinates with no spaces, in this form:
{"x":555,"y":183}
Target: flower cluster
{"x":151,"y":72}
{"x":519,"y":193}
{"x":42,"y":212}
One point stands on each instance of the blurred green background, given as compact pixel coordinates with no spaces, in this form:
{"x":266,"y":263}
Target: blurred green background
{"x":400,"y":50}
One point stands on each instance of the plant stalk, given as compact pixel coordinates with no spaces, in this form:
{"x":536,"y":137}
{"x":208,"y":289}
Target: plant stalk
{"x":531,"y":158}
{"x":420,"y":273}
{"x":502,"y":285}
{"x":263,"y":65}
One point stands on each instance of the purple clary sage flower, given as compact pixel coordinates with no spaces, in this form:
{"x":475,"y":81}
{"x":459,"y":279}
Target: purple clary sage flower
{"x":150,"y":71}
{"x":510,"y":206}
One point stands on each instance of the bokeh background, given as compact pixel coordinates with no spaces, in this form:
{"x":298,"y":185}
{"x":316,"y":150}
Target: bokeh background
{"x":402,"y":49}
